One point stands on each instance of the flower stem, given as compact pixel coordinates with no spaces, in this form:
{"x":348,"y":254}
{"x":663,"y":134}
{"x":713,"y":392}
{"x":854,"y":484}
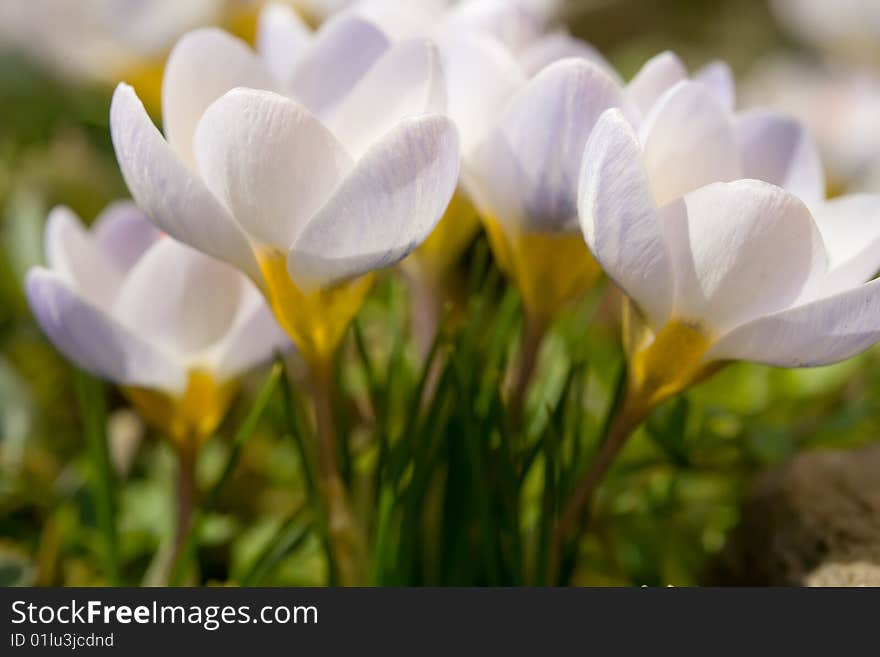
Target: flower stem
{"x":344,"y":535}
{"x":627,"y":418}
{"x":94,"y":409}
{"x":186,"y":505}
{"x":527,"y":361}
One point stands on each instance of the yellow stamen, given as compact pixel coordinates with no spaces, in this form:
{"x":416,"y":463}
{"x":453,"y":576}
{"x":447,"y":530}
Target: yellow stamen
{"x":671,"y":363}
{"x":549,"y":269}
{"x":315,"y":321}
{"x":188,"y":420}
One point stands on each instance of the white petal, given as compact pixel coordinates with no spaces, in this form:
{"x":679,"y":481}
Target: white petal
{"x":561,"y":45}
{"x":94,"y":340}
{"x":776,"y":148}
{"x":406,"y":81}
{"x":168,"y":191}
{"x":282,"y":36}
{"x":656,"y":77}
{"x":481,"y":76}
{"x":204,"y":65}
{"x":532,"y":165}
{"x":254,"y":338}
{"x":689,"y":142}
{"x":850,"y":228}
{"x":123,"y":232}
{"x":740,"y":250}
{"x":270,"y":161}
{"x":508,"y":22}
{"x":73,"y":255}
{"x":819,"y":333}
{"x":402,"y":20}
{"x":718,"y":77}
{"x":389,"y":205}
{"x":619,"y":218}
{"x":184,"y":300}
{"x":341,"y":53}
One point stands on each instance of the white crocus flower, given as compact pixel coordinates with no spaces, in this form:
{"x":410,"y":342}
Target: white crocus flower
{"x":99,"y":39}
{"x":172,"y":326}
{"x":662,"y":72}
{"x":725,"y":271}
{"x":522,"y":165}
{"x":307,"y":196}
{"x":846,"y":28}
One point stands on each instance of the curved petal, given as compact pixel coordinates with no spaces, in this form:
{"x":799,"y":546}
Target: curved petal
{"x":718,"y":77}
{"x":282,"y":36}
{"x":123,"y":233}
{"x":406,"y":81}
{"x":204,"y":65}
{"x":270,"y":161}
{"x":94,"y":340}
{"x":656,"y":77}
{"x":341,"y":53}
{"x":402,"y":20}
{"x":619,"y":218}
{"x":507,"y":21}
{"x":184,"y":300}
{"x":689,"y":142}
{"x":818,"y":333}
{"x":561,"y":45}
{"x":532,"y":165}
{"x":776,"y":148}
{"x":168,"y":191}
{"x":740,"y":250}
{"x":75,"y":257}
{"x":850,"y":228}
{"x":481,"y":76}
{"x":253,"y":339}
{"x":387,"y":206}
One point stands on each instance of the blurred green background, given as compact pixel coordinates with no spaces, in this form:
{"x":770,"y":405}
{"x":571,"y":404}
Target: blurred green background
{"x":661,"y":517}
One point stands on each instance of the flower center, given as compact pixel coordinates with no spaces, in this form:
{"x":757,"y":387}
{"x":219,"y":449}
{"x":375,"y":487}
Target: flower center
{"x":188,"y":420}
{"x":315,"y":321}
{"x":549,"y":269}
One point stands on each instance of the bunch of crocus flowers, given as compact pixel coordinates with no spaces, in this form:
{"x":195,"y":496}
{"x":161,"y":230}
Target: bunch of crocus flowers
{"x":288,"y":176}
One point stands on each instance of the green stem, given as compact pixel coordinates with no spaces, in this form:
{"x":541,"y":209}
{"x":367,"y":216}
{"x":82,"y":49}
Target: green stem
{"x":346,"y":541}
{"x":190,"y":520}
{"x":626,"y":419}
{"x":90,"y":394}
{"x":530,"y":345}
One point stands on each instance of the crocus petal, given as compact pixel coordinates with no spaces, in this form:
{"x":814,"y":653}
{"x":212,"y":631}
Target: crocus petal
{"x":850,"y":228}
{"x":402,"y":20}
{"x":406,"y":81}
{"x":689,"y":142}
{"x":561,"y":45}
{"x":123,"y":233}
{"x":818,"y":333}
{"x":776,"y":148}
{"x":619,"y":218}
{"x":532,"y":164}
{"x":718,"y":77}
{"x":281,"y":38}
{"x":340,"y":54}
{"x":168,"y":191}
{"x":204,"y":65}
{"x":254,"y":338}
{"x":740,"y":250}
{"x":481,"y":75}
{"x":95,"y":341}
{"x":657,"y":76}
{"x":389,"y":205}
{"x":270,"y":161}
{"x":511,"y":24}
{"x":78,"y":261}
{"x":184,"y":300}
